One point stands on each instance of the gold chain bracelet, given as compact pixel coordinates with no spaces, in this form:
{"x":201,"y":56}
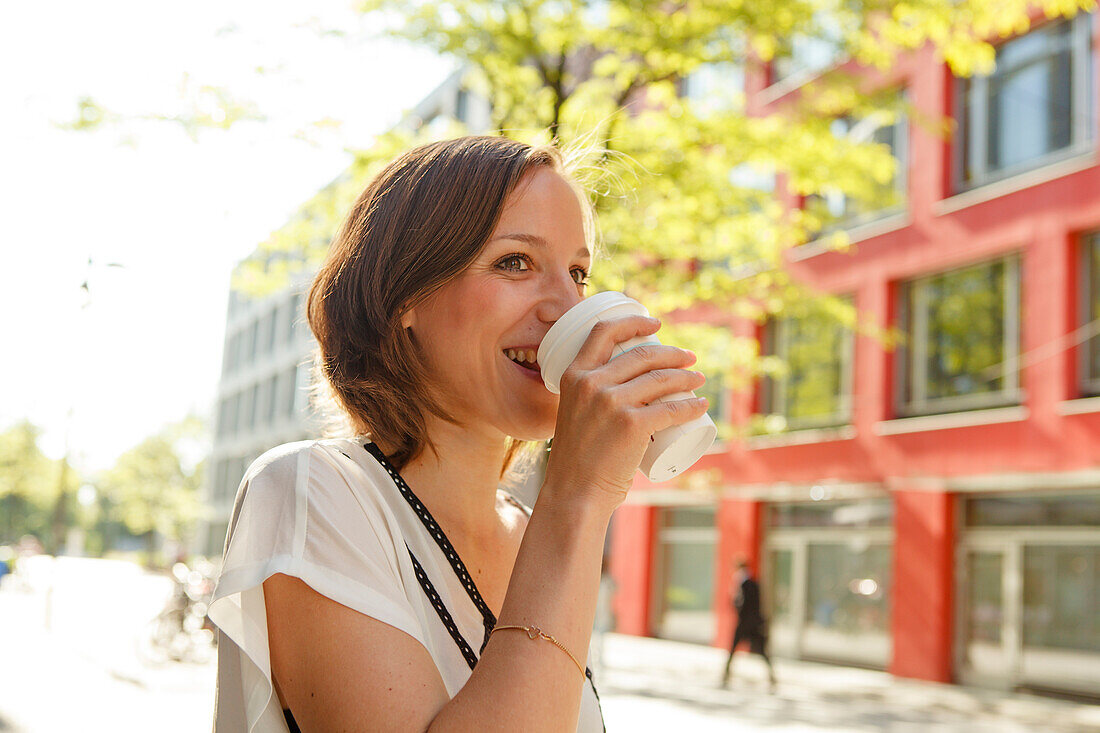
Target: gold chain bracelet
{"x":534,"y":632}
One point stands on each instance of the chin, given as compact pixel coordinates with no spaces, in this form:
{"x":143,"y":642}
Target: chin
{"x":533,"y":429}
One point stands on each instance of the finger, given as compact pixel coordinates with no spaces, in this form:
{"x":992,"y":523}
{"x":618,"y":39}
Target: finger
{"x":658,"y":384}
{"x":597,"y":348}
{"x":660,"y":415}
{"x":645,"y":358}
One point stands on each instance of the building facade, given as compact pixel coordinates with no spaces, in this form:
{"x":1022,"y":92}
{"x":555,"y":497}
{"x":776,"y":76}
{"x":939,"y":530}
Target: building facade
{"x":932,"y":509}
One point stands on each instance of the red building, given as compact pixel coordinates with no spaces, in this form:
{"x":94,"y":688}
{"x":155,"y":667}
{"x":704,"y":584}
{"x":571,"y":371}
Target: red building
{"x":932,"y":510}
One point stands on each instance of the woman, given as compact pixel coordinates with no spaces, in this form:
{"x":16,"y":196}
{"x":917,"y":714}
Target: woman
{"x":364,"y":577}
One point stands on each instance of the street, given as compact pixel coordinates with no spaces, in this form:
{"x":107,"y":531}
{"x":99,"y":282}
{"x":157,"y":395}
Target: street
{"x":71,"y":663}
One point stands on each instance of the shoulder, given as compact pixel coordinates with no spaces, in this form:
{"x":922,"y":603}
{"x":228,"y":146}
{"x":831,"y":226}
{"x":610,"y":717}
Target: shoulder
{"x":287,"y":465}
{"x":318,"y":477}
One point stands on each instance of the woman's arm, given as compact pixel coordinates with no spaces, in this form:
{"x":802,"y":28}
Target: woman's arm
{"x":341,"y":671}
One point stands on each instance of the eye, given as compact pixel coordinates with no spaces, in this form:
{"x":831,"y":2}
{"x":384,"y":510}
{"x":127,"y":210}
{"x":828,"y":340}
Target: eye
{"x":515,"y":262}
{"x":580,"y":275}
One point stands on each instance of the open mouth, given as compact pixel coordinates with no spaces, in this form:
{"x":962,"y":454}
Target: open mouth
{"x":526,"y":358}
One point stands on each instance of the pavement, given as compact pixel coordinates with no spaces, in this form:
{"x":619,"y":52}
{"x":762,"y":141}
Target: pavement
{"x":69,"y":661}
{"x":657,"y":685}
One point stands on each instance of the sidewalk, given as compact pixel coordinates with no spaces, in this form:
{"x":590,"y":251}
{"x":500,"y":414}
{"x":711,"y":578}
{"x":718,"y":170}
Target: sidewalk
{"x":70,"y":664}
{"x":658,"y":685}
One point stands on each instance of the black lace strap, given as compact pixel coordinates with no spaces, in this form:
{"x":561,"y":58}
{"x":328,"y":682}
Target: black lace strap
{"x":488,"y":619}
{"x":426,"y":518}
{"x":441,"y":611}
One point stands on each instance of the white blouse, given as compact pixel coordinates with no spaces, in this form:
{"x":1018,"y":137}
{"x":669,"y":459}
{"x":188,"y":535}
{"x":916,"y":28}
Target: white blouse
{"x":334,"y":514}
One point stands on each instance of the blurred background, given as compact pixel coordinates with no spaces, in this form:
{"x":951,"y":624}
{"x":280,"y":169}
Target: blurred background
{"x":878,"y":224}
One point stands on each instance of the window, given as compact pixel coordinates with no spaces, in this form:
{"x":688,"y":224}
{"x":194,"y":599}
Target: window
{"x":290,"y":384}
{"x":808,"y":54}
{"x":224,"y":417}
{"x":248,"y":344}
{"x":1061,"y":595}
{"x":462,"y":105}
{"x":713,"y":87}
{"x":267,"y":332}
{"x":685,"y":550}
{"x":883,"y":128}
{"x":246,"y":416}
{"x":273,"y":399}
{"x":229,"y":358}
{"x":848,"y":587}
{"x":848,"y":514}
{"x":232,"y":410}
{"x":962,"y":338}
{"x":294,"y":315}
{"x":1076,"y":509}
{"x":816,"y":390}
{"x":1035,"y":108}
{"x":1090,"y":321}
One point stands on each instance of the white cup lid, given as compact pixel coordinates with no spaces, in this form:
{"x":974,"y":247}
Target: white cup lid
{"x":568,"y":328}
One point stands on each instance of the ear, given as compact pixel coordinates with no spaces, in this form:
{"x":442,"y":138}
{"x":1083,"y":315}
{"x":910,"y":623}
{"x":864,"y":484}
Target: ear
{"x":408,"y":318}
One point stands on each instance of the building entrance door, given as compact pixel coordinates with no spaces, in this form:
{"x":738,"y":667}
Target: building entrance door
{"x":985,"y":628}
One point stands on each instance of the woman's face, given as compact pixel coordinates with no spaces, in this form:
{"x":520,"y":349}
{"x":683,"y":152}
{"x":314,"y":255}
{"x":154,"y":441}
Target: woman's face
{"x":530,"y":272}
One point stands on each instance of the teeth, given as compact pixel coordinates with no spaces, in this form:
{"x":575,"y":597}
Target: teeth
{"x":527,"y":355}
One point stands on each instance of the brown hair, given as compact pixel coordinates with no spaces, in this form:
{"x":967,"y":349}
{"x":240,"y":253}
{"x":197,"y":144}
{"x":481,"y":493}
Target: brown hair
{"x":418,"y":225}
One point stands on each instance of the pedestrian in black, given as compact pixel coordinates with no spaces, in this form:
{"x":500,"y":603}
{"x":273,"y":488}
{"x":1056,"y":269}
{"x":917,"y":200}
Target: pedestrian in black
{"x":751,"y":624}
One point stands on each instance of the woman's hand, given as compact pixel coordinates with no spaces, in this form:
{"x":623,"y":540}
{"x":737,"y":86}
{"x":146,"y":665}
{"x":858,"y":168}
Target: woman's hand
{"x":609,"y":409}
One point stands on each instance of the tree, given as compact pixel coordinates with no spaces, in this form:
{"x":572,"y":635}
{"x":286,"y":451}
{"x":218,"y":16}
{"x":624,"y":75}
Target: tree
{"x":681,"y":218}
{"x":152,"y":489}
{"x":684,"y":218}
{"x":31,"y":485}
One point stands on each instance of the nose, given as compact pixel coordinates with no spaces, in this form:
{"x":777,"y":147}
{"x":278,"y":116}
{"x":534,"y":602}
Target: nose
{"x":559,"y":296}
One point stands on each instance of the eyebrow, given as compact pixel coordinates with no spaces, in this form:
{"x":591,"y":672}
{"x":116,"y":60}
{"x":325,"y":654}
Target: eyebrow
{"x":537,"y":241}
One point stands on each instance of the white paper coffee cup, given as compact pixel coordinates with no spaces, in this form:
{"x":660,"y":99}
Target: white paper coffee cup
{"x":672,"y":450}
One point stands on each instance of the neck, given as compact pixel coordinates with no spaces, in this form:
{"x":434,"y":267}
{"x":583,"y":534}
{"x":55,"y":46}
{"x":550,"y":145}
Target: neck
{"x":458,"y":481}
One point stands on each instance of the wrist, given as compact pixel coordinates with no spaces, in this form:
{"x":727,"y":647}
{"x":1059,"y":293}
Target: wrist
{"x":576,"y":505}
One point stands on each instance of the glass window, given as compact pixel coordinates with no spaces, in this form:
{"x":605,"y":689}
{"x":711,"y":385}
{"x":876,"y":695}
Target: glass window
{"x":962,"y":339}
{"x":293,"y":316}
{"x":715,"y":87}
{"x":816,"y":389}
{"x":861,"y":513}
{"x":848,"y":587}
{"x":984,"y":610}
{"x":689,"y":517}
{"x":685,"y":567}
{"x":223,"y":427}
{"x":1061,"y":597}
{"x":1074,"y":509}
{"x":248,"y":343}
{"x":272,"y":399}
{"x":690,"y":576}
{"x":779,"y":584}
{"x":246,"y":417}
{"x":229,"y":358}
{"x":1090,"y":289}
{"x":290,"y":387}
{"x":884,"y":128}
{"x":809,"y":54}
{"x":232,"y":413}
{"x":1035,"y":107}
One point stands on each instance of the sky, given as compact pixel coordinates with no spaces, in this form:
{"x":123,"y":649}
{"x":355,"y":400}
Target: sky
{"x":102,"y":370}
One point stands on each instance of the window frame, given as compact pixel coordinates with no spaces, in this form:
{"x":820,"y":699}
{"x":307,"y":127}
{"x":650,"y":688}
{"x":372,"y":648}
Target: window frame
{"x":853,"y":219}
{"x":1011,"y":394}
{"x":1087,"y":386}
{"x":773,"y":392}
{"x":1083,"y":122}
